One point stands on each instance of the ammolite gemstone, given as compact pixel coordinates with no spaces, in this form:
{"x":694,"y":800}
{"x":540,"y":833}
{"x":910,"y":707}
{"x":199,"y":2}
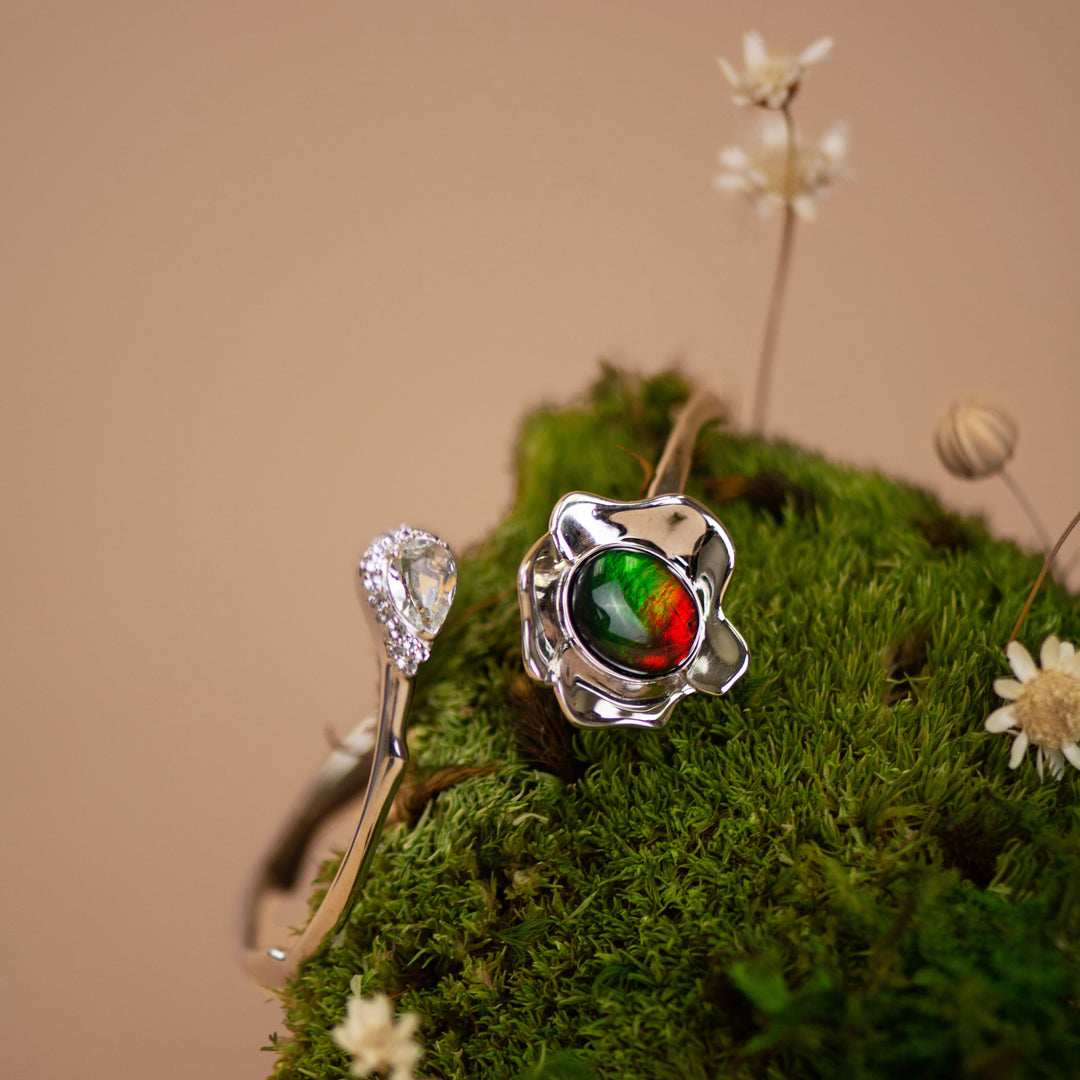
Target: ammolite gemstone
{"x":633,"y":612}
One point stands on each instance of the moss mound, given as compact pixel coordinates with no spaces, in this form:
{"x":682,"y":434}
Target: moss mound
{"x":830,"y":872}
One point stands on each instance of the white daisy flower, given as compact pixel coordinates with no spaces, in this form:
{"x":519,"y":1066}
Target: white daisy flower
{"x":375,"y":1041}
{"x":770,"y":80}
{"x":770,"y":180}
{"x":1044,"y":706}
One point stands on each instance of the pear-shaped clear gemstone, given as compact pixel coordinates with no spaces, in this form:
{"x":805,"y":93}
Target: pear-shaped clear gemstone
{"x":421,"y":579}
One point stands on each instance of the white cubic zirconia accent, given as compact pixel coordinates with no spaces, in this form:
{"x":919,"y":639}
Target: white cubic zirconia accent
{"x":409,"y":577}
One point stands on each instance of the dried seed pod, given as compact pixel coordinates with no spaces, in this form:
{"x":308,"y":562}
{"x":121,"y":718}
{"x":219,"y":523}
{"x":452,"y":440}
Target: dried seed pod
{"x":975,"y":440}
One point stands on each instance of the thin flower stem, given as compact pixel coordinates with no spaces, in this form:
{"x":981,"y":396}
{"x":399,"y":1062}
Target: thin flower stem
{"x":1042,"y":573}
{"x":1025,"y":505}
{"x":779,"y":286}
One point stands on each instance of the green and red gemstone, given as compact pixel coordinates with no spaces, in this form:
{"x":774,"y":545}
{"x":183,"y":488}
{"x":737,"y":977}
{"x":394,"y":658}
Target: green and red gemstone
{"x":632,"y":611}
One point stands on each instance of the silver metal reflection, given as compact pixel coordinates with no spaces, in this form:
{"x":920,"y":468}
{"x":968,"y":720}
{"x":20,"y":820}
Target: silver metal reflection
{"x":405,"y":620}
{"x":673,"y":528}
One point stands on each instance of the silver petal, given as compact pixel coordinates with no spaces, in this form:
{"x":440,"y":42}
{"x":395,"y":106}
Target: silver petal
{"x":673,"y":525}
{"x":588,"y":702}
{"x":538,"y":580}
{"x":580,"y":523}
{"x":722,"y":660}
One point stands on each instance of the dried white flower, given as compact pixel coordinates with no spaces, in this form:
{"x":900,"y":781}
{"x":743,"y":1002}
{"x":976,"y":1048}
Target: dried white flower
{"x":975,"y":440}
{"x":1044,"y":706}
{"x":770,"y":80}
{"x":772,"y":176}
{"x":374,"y":1040}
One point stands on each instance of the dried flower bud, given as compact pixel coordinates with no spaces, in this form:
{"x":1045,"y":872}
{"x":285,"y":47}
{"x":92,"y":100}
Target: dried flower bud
{"x":975,"y":440}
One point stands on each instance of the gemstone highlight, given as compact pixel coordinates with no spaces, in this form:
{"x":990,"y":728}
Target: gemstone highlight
{"x":421,"y":581}
{"x":633,"y":612}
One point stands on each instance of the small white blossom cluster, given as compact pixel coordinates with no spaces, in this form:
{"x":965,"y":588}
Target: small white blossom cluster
{"x":770,"y":80}
{"x":375,"y":1041}
{"x":782,"y":170}
{"x":1044,"y":705}
{"x":774,"y":175}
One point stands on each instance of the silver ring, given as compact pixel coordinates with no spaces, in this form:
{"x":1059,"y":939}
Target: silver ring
{"x":409,"y":577}
{"x":621,"y":601}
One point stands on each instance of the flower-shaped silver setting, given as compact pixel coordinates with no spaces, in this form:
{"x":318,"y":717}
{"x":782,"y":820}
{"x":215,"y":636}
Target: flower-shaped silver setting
{"x":676,"y":532}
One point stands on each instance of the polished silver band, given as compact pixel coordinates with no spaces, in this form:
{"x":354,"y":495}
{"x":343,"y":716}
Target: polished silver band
{"x":410,"y":578}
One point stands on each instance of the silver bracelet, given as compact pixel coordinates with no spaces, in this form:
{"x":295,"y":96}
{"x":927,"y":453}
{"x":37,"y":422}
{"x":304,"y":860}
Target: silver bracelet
{"x":409,"y":577}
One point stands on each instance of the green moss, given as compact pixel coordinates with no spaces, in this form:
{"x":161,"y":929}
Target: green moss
{"x":830,"y":872}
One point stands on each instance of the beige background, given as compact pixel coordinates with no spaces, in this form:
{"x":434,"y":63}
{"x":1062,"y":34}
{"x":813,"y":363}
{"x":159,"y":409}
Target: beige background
{"x":277,"y":276}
